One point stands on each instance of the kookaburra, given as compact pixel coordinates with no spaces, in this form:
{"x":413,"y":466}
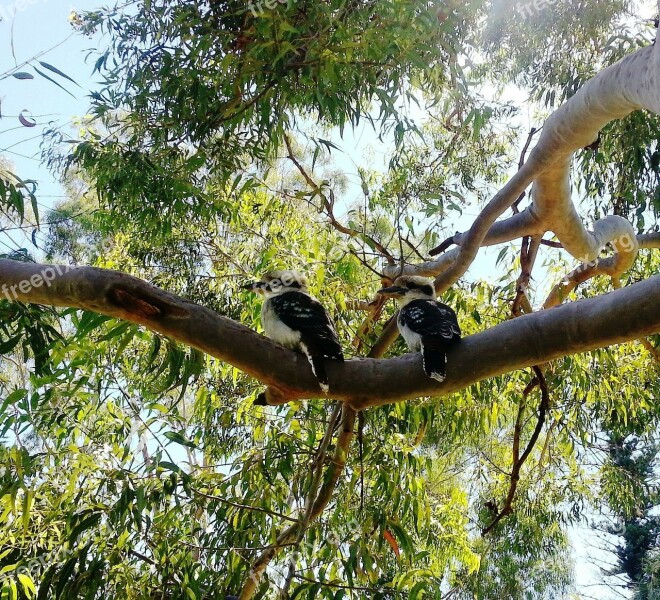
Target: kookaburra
{"x":427,"y":325}
{"x":292,"y":318}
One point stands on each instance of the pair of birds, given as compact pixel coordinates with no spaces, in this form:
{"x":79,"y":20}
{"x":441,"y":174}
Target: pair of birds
{"x":296,"y":320}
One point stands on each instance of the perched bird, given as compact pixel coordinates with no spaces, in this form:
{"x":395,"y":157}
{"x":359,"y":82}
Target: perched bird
{"x":427,"y":325}
{"x":292,"y":318}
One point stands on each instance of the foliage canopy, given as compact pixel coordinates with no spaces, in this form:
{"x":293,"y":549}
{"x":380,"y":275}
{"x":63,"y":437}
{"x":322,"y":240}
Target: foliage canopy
{"x":132,"y":467}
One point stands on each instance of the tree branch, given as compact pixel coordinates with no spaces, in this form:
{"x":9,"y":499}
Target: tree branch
{"x":631,"y":84}
{"x":649,"y":240}
{"x":519,"y":460}
{"x":295,"y":531}
{"x":528,"y":254}
{"x":652,"y":350}
{"x":623,"y":315}
{"x":523,"y":157}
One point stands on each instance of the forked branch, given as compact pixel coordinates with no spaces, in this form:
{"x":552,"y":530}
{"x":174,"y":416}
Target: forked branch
{"x":519,"y":459}
{"x":317,"y":500}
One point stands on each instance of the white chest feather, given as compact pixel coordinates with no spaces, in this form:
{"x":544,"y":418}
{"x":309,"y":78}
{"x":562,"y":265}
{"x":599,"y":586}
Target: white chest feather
{"x":276,"y":330}
{"x":414,"y":340}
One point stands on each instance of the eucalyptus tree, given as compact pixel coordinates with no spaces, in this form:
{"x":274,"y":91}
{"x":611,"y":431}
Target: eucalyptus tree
{"x":135,"y":462}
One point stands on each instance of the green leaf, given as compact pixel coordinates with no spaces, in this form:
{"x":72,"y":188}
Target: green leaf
{"x":28,"y":585}
{"x":52,"y":81}
{"x":44,"y":584}
{"x":170,"y":466}
{"x":179,"y":439}
{"x":84,"y":525}
{"x":328,"y":144}
{"x":64,"y":576}
{"x":116,"y":331}
{"x":50,"y":67}
{"x":7,"y":346}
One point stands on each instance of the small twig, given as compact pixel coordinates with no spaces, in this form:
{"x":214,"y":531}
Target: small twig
{"x":328,"y":205}
{"x":552,"y":244}
{"x":340,"y":586}
{"x":413,"y":247}
{"x":366,"y":264}
{"x":243,"y":506}
{"x":523,"y":156}
{"x":398,"y":232}
{"x":142,"y":557}
{"x":655,"y":353}
{"x":519,"y":199}
{"x":450,"y":241}
{"x":546,"y":444}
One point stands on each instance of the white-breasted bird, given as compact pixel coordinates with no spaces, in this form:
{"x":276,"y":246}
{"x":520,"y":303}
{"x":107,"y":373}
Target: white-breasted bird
{"x":296,"y":320}
{"x":427,"y":325}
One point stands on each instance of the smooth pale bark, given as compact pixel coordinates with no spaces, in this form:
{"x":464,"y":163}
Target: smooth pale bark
{"x":631,"y":84}
{"x":620,"y":316}
{"x":610,"y":266}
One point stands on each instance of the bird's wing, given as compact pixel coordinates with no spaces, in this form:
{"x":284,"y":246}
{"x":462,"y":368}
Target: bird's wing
{"x":431,"y":319}
{"x":303,"y":313}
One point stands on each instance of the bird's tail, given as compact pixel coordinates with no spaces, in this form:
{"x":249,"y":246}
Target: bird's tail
{"x":435,"y":363}
{"x":318,"y":367}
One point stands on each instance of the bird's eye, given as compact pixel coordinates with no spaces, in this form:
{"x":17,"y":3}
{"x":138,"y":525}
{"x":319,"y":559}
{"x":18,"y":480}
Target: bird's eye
{"x":410,"y":285}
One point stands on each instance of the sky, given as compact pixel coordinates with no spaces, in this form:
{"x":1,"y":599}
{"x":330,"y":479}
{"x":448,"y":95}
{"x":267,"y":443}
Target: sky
{"x":41,"y":28}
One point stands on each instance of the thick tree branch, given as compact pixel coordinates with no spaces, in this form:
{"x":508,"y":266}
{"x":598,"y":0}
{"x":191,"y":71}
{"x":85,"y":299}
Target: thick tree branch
{"x":631,"y":84}
{"x":623,"y":315}
{"x":649,"y":240}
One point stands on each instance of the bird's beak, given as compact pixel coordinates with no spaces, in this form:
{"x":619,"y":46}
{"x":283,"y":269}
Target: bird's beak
{"x":254,"y":286}
{"x":393,"y":291}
